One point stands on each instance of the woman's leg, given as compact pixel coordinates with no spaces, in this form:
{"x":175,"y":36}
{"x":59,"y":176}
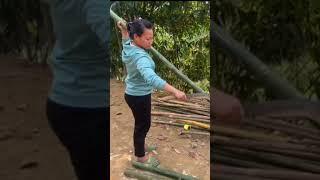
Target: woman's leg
{"x":141,"y":109}
{"x":83,"y":131}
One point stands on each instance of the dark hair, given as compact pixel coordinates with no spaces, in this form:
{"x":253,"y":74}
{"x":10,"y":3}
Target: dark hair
{"x":137,"y":27}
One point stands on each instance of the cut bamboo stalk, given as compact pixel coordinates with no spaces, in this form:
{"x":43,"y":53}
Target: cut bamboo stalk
{"x":186,"y":118}
{"x":284,"y":127}
{"x":174,"y":124}
{"x":203,"y":113}
{"x":179,"y":115}
{"x":202,"y":125}
{"x":195,"y":132}
{"x":273,"y":82}
{"x":183,"y":103}
{"x":245,"y":134}
{"x":180,"y":106}
{"x":255,"y":147}
{"x":220,"y":156}
{"x":223,"y":176}
{"x":182,"y":110}
{"x":162,"y":171}
{"x":289,"y":162}
{"x":263,"y":144}
{"x":166,"y":98}
{"x":173,"y":110}
{"x":132,"y":173}
{"x":281,"y":174}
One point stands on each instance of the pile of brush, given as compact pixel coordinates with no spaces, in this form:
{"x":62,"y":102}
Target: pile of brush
{"x":279,"y":144}
{"x":194,"y":113}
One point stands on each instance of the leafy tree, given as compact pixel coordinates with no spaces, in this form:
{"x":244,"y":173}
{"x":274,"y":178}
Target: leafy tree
{"x":181,"y":35}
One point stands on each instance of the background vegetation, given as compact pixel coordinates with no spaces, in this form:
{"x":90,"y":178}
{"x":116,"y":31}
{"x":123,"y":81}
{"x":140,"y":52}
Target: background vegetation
{"x":181,"y":35}
{"x":283,"y":34}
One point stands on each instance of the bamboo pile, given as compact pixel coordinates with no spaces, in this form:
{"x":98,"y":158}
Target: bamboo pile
{"x":267,"y":147}
{"x":147,"y":172}
{"x":195,"y":112}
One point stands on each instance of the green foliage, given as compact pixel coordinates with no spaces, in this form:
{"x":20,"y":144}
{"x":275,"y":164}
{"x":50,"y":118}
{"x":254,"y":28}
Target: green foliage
{"x":25,"y":28}
{"x":284,"y":34}
{"x":181,"y":35}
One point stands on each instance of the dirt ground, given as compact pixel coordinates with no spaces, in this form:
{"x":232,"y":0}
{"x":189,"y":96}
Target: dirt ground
{"x":29,"y":149}
{"x":184,"y":154}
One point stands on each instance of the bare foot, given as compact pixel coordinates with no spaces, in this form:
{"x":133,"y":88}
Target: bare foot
{"x":144,"y":158}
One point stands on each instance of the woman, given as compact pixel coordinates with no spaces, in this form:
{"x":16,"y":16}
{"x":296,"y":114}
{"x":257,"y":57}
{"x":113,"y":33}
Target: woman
{"x":78,"y":103}
{"x":137,"y":37}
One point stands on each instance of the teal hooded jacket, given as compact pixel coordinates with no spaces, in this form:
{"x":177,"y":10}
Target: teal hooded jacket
{"x":80,"y":59}
{"x":141,"y":77}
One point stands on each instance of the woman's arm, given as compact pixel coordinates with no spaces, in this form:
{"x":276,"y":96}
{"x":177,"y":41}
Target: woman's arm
{"x":144,"y":67}
{"x":123,"y":28}
{"x":177,"y":93}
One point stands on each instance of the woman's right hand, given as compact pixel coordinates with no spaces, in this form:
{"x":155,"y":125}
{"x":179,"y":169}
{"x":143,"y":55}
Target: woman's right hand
{"x":180,"y":95}
{"x":122,"y":26}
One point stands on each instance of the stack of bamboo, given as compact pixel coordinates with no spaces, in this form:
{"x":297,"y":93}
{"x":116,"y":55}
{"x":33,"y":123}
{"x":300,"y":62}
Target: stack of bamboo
{"x":267,"y":148}
{"x":195,"y":112}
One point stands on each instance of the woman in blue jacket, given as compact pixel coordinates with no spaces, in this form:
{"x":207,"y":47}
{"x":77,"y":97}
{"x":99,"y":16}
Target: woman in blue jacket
{"x":141,"y":79}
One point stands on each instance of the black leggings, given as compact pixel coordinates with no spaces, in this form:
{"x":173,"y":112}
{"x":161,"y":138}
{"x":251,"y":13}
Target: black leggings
{"x":84,"y":132}
{"x":141,"y":109}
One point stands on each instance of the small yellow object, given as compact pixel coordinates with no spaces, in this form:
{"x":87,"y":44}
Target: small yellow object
{"x":187,"y":127}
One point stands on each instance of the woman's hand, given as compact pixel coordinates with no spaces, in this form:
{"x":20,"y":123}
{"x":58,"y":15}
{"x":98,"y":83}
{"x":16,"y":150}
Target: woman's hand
{"x":122,"y":26}
{"x":180,"y":95}
{"x":177,"y":93}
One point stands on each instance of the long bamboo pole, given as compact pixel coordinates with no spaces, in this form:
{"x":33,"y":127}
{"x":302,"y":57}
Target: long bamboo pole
{"x":280,"y":87}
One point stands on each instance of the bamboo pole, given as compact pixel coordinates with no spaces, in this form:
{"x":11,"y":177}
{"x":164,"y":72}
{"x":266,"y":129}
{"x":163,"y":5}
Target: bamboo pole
{"x":174,"y":124}
{"x":283,"y":161}
{"x":246,"y":134}
{"x":291,"y":130}
{"x":202,"y":125}
{"x":163,"y":59}
{"x":313,"y":133}
{"x":263,"y":144}
{"x":280,"y":174}
{"x":173,"y":110}
{"x":220,"y":156}
{"x":223,"y":176}
{"x":180,"y":106}
{"x":187,"y":118}
{"x":279,"y":86}
{"x":132,"y":173}
{"x":195,"y":132}
{"x":263,"y":148}
{"x":155,"y":113}
{"x":162,"y":171}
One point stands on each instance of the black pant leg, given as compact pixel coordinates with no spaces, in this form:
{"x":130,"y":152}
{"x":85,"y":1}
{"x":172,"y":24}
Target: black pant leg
{"x":141,"y":109}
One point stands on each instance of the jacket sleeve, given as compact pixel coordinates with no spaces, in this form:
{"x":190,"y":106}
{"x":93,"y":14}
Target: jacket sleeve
{"x":145,"y":68}
{"x":97,"y":16}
